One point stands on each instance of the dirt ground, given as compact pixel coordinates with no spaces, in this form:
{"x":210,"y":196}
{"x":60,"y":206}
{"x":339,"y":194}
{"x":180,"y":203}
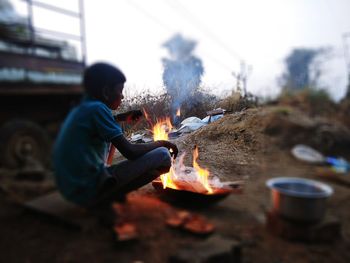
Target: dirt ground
{"x":253,"y":146}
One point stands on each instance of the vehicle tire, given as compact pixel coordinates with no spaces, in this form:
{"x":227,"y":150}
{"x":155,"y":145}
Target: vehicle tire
{"x":20,"y":139}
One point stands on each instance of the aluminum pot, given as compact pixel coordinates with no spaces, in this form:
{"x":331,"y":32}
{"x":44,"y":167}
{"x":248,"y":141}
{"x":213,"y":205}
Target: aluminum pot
{"x":299,"y":199}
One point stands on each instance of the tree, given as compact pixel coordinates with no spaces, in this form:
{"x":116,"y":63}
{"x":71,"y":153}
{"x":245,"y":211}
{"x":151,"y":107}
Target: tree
{"x":302,"y":68}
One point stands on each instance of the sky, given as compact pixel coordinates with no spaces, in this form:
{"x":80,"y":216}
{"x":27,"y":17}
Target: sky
{"x":130,"y":34}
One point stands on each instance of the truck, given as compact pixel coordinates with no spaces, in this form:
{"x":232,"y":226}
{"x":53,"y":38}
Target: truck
{"x":40,"y":81}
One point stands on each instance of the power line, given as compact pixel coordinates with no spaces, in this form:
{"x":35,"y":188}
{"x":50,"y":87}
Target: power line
{"x":149,"y":15}
{"x":168,"y":28}
{"x":218,"y":62}
{"x":191,"y":17}
{"x":245,"y":69}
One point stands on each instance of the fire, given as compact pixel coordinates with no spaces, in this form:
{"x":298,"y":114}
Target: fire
{"x":177,"y":171}
{"x":160,"y":132}
{"x":202,"y":174}
{"x":167,"y":179}
{"x":161,"y":129}
{"x":178,"y":112}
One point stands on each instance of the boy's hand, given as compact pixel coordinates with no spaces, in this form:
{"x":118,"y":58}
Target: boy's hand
{"x":129,"y":116}
{"x":171,"y":147}
{"x":135,"y":114}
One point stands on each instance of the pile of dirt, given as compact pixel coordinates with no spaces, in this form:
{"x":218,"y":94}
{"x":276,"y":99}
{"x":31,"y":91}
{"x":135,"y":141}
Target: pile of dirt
{"x":311,"y":101}
{"x":261,"y":130}
{"x":344,"y":110}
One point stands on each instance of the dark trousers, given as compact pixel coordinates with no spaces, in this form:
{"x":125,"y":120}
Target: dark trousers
{"x":129,"y":175}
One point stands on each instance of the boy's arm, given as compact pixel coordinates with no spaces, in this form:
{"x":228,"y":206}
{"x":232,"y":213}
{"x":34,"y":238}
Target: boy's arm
{"x":132,"y":151}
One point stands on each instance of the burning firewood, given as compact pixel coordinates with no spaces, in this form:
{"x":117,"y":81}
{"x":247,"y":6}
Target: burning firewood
{"x":198,"y":225}
{"x":178,"y":219}
{"x":125,"y":232}
{"x":190,"y":222}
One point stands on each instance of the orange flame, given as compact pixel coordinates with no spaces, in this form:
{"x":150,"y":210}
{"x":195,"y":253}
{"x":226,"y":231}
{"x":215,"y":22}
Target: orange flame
{"x":202,"y":174}
{"x":160,"y":132}
{"x":161,"y":129}
{"x":178,"y":112}
{"x":170,"y":179}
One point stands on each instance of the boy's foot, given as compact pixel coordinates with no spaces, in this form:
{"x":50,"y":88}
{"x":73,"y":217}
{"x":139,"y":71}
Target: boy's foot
{"x":121,"y":198}
{"x":125,"y":231}
{"x":106,"y":216}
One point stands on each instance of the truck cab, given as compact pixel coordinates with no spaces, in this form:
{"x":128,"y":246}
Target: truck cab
{"x":40,"y":81}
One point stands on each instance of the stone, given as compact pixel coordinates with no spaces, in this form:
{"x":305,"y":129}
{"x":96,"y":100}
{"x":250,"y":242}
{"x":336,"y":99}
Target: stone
{"x":215,"y":249}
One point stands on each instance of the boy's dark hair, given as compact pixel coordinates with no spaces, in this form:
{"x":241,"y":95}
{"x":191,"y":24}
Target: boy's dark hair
{"x":101,"y":75}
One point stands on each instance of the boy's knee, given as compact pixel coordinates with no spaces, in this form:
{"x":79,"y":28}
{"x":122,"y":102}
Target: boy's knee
{"x":164,"y":157}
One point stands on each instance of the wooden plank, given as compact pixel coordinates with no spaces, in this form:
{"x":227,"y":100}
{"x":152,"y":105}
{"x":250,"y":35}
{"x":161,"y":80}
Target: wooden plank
{"x":54,"y":206}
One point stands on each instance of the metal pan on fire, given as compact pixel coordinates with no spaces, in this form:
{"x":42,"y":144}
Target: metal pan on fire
{"x":190,"y":198}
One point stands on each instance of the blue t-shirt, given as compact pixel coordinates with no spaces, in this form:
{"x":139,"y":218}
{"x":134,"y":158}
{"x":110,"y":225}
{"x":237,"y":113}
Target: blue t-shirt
{"x":81,"y":150}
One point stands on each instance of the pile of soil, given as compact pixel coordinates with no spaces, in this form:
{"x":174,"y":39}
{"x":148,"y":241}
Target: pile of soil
{"x":249,"y":137}
{"x":344,"y":110}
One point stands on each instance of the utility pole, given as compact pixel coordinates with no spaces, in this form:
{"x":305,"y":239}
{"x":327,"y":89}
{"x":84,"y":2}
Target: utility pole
{"x":242,"y":77}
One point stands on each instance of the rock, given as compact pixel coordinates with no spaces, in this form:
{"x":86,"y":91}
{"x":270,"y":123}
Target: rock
{"x":215,"y":249}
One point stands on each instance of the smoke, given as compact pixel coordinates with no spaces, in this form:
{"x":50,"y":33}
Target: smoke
{"x":182,"y":71}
